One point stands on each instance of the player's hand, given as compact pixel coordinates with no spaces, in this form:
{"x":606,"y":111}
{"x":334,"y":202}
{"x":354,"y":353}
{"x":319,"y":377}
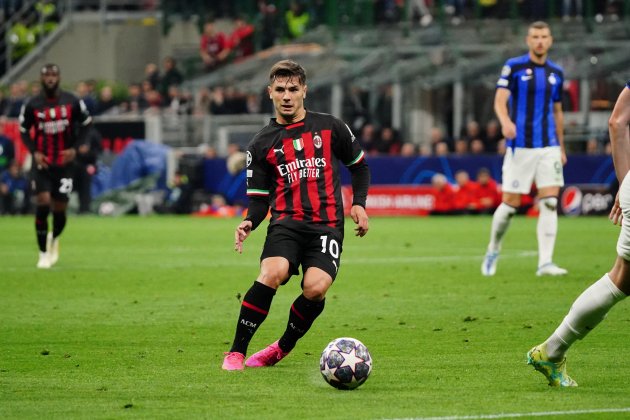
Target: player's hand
{"x":40,"y":160}
{"x":360,"y":217}
{"x":508,"y":130}
{"x":616,"y":216}
{"x":68,"y":155}
{"x":242,"y":232}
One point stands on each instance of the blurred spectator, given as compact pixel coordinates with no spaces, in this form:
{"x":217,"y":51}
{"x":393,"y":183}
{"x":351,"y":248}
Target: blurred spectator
{"x":418,"y":11}
{"x":488,"y":194}
{"x":444,"y":195}
{"x":34,"y":89}
{"x":368,"y":139}
{"x":492,"y":136}
{"x":461,"y":146}
{"x":14,"y":194}
{"x":136,"y":103}
{"x":438,"y":139}
{"x":83,"y":92}
{"x":388,"y":11}
{"x":571,"y":8}
{"x":408,"y":149}
{"x":467,"y":191}
{"x":384,"y":106}
{"x":178,"y":102}
{"x":17,"y":97}
{"x":389,"y":142}
{"x":178,"y":199}
{"x":218,"y":104}
{"x":477,"y":147}
{"x":268,"y":22}
{"x":355,"y":107}
{"x":592,"y":147}
{"x":242,"y":38}
{"x":86,"y":158}
{"x":171,"y":76}
{"x":214,"y":47}
{"x":441,"y":149}
{"x":7,"y":152}
{"x":152,"y":75}
{"x":472,"y":131}
{"x":296,"y":20}
{"x":152,"y":96}
{"x":106,"y":104}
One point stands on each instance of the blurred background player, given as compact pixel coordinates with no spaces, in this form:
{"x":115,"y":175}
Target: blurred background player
{"x":528,"y":104}
{"x":58,"y":120}
{"x":293,"y":168}
{"x":591,"y":307}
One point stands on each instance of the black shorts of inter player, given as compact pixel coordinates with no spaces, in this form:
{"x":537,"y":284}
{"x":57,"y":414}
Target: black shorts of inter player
{"x":321,"y":249}
{"x":55,"y":179}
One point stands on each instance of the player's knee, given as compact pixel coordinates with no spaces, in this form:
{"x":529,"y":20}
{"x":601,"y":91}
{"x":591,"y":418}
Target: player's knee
{"x":273,"y":276}
{"x":315,"y":288}
{"x":548,"y":203}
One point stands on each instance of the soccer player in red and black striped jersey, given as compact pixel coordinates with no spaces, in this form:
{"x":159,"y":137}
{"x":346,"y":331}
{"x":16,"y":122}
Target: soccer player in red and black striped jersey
{"x":293,"y":169}
{"x":52,"y":126}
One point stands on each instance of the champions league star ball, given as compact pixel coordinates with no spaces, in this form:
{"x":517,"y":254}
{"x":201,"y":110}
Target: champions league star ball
{"x":345,"y":363}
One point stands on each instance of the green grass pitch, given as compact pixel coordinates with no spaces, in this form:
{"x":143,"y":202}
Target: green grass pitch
{"x":135,"y":317}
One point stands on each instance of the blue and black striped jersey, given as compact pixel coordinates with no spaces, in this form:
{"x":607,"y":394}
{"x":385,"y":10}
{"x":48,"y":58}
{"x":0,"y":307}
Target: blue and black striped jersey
{"x":534,"y":88}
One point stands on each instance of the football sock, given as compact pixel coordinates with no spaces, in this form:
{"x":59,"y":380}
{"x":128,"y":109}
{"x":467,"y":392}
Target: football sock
{"x":546,"y":229}
{"x":301,"y":316}
{"x":254,"y":310}
{"x":500,"y":223}
{"x":41,"y":226}
{"x":59,"y":222}
{"x":588,"y":310}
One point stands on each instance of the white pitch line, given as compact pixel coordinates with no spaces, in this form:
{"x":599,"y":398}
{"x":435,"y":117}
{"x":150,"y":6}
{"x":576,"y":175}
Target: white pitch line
{"x":517,"y":415}
{"x":432,"y":258}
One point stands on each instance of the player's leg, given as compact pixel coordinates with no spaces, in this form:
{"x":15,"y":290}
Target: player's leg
{"x":500,"y":223}
{"x":41,"y":185}
{"x":255,"y":307}
{"x":320,"y":261}
{"x":518,"y":173}
{"x":42,"y":210}
{"x":306,"y":308}
{"x":547,"y":230}
{"x":589,"y":309}
{"x":62,"y":185}
{"x":548,"y":179}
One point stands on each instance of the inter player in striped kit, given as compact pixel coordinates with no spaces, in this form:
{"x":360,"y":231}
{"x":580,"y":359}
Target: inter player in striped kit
{"x":293,"y":168}
{"x":58,"y":121}
{"x":591,"y":307}
{"x":528,"y":104}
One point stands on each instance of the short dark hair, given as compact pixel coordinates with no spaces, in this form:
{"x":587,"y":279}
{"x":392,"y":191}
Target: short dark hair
{"x":539,"y":24}
{"x":287,"y":68}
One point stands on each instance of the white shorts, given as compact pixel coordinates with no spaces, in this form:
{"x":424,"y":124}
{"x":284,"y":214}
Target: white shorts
{"x":523,"y":166}
{"x":623,"y":243}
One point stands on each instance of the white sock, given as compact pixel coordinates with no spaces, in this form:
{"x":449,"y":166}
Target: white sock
{"x":588,"y":310}
{"x":500,"y":223}
{"x":547,"y":229}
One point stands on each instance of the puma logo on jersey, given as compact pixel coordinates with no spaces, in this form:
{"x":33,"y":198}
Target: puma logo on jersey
{"x":280,"y":150}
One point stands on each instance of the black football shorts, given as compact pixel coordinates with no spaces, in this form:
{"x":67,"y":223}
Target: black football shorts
{"x":55,"y":180}
{"x":320,"y":249}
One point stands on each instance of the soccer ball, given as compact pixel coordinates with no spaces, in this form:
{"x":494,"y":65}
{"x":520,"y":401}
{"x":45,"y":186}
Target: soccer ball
{"x":345,"y":363}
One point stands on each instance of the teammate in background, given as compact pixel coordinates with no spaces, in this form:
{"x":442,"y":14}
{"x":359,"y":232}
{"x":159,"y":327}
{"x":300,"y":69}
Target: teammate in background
{"x":59,"y":122}
{"x":528,"y":104}
{"x":591,"y":307}
{"x":293,"y":168}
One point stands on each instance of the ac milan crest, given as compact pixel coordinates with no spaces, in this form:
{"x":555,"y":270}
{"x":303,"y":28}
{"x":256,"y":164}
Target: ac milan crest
{"x":317,"y":141}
